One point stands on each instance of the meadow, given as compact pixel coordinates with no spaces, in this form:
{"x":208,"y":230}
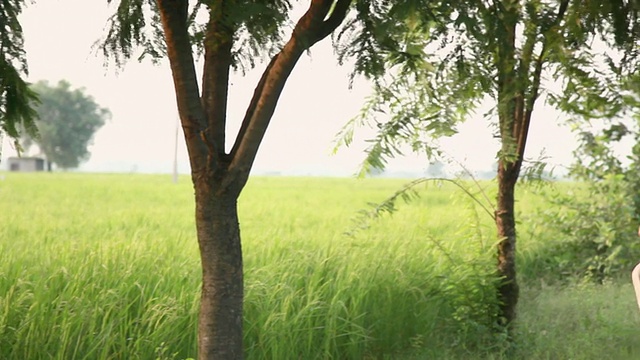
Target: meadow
{"x":103,"y":266}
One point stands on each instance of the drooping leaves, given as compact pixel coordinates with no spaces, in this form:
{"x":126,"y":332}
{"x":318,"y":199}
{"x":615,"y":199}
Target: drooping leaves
{"x":16,"y":99}
{"x":448,"y":55}
{"x":384,"y":33}
{"x":135,"y":29}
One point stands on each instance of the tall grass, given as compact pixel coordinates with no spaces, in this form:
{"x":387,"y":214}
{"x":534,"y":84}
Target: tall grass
{"x":106,"y":267}
{"x":94,"y":267}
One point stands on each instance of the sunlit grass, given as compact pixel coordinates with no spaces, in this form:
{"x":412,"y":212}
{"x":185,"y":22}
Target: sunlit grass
{"x":106,"y":267}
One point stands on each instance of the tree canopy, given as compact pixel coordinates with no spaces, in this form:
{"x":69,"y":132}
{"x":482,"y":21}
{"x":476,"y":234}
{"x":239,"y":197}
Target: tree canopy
{"x":433,"y":63}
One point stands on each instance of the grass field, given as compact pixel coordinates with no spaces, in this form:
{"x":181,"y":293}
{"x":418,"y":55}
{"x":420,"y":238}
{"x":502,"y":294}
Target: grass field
{"x":106,"y":267}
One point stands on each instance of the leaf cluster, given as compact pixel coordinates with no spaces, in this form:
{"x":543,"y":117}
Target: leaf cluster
{"x":417,"y":96}
{"x":16,"y":99}
{"x":135,"y":23}
{"x":600,"y":230}
{"x":136,"y":29}
{"x":383,"y":34}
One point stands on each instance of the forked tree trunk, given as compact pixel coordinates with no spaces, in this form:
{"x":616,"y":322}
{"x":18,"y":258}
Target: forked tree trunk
{"x":218,"y":177}
{"x":519,"y":74}
{"x":220,"y":320}
{"x":508,"y":290}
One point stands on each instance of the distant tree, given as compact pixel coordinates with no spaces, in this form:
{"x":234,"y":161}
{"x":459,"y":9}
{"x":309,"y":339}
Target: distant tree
{"x":234,"y":34}
{"x":67,"y":121}
{"x":434,"y":62}
{"x":436,"y":169}
{"x":17,"y":100}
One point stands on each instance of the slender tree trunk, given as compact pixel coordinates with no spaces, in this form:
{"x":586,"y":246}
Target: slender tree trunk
{"x":508,"y":290}
{"x":516,"y":100}
{"x":220,"y":320}
{"x":510,"y":113}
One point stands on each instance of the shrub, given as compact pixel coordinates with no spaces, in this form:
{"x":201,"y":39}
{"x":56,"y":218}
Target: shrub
{"x":595,"y":234}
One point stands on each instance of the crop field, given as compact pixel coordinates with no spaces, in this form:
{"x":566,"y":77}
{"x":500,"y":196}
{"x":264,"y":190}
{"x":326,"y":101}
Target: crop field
{"x":97,"y":266}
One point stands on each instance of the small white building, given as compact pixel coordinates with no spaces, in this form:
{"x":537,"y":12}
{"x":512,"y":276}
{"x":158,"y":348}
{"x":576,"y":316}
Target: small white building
{"x":27,"y":164}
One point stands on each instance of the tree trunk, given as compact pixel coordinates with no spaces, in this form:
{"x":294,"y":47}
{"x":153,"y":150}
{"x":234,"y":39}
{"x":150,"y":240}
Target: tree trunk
{"x":220,"y":320}
{"x":508,"y":290}
{"x":218,"y":177}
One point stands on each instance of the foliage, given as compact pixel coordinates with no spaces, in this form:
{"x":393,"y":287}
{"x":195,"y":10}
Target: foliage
{"x":632,"y":174}
{"x":17,"y":100}
{"x":599,"y":153}
{"x":68,"y":119}
{"x":390,"y":44}
{"x":598,"y":232}
{"x":433,"y":64}
{"x":257,"y":28}
{"x":593,"y":230}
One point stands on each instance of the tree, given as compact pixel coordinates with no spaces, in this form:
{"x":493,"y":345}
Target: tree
{"x":17,"y":100}
{"x":434,"y":62}
{"x":68,"y":119}
{"x":234,"y":35}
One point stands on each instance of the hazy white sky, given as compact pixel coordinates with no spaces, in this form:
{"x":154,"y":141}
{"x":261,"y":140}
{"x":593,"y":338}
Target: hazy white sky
{"x":315,"y":104}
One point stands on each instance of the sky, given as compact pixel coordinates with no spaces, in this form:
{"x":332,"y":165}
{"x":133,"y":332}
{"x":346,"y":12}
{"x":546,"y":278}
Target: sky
{"x":314,"y":106}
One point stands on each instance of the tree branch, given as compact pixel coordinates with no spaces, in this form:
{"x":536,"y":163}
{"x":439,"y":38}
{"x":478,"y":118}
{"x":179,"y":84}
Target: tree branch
{"x":311,"y":28}
{"x":530,"y":33}
{"x":215,"y":79}
{"x":505,"y":59}
{"x":192,"y":116}
{"x":535,"y":87}
{"x":335,"y":19}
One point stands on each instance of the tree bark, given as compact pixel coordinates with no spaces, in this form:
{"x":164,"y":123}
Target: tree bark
{"x":508,"y":290}
{"x":220,"y":320}
{"x":511,"y":119}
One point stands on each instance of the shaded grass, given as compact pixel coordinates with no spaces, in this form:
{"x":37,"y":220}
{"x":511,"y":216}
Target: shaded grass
{"x":583,"y":322}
